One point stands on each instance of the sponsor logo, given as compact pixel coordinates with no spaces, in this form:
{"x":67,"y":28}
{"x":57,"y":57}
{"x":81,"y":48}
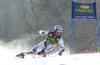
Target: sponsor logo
{"x":84,"y":6}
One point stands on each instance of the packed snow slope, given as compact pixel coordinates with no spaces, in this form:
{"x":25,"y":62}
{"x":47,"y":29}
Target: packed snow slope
{"x":7,"y":57}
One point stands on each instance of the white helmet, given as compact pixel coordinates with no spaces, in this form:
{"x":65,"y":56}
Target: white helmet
{"x":58,"y":28}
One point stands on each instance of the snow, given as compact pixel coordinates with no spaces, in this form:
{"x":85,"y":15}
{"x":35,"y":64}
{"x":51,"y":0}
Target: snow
{"x":7,"y":57}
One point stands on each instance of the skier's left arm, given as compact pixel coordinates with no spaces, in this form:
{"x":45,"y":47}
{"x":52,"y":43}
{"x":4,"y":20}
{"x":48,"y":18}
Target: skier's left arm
{"x":44,"y":32}
{"x":61,"y":43}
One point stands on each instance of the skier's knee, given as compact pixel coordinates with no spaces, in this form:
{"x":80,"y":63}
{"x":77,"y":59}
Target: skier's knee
{"x":34,"y":50}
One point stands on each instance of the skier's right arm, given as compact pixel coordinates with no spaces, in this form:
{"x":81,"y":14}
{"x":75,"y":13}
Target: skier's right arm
{"x":44,"y":32}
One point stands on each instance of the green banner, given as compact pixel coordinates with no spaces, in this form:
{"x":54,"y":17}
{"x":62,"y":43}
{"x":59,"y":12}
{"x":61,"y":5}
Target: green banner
{"x":88,"y":9}
{"x":84,"y":10}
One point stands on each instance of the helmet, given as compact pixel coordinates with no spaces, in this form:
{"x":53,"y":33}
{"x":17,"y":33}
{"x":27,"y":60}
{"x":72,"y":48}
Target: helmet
{"x":58,"y":28}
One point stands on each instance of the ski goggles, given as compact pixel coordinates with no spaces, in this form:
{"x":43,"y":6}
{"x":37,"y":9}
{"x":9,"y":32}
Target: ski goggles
{"x":60,"y":31}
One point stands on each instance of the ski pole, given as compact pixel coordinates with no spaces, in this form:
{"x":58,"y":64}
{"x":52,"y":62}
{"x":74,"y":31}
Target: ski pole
{"x":21,"y":39}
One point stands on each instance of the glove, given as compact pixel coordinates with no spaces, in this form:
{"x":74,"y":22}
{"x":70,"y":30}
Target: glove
{"x":60,"y":53}
{"x":41,"y":32}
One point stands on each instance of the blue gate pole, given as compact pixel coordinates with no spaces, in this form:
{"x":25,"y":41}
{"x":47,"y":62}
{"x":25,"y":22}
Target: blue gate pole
{"x":71,"y":30}
{"x":71,"y":36}
{"x":94,"y":0}
{"x":97,"y":29}
{"x":97,"y":36}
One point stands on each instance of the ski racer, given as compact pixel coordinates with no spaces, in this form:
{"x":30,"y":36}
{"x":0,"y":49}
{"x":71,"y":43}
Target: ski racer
{"x":46,"y":46}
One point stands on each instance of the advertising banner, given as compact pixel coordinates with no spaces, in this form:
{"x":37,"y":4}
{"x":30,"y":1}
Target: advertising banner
{"x":83,"y":10}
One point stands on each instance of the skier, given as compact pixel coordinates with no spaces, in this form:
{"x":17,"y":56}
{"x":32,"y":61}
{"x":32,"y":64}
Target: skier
{"x":44,"y":47}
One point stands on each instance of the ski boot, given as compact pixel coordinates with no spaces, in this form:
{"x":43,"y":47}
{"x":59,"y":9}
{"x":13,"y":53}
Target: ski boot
{"x":21,"y":55}
{"x":41,"y":53}
{"x":44,"y":55}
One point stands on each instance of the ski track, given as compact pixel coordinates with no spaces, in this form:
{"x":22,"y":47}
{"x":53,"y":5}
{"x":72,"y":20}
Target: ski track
{"x":7,"y":57}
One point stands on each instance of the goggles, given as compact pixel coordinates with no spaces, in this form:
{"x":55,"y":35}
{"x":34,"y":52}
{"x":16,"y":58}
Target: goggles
{"x":60,"y":31}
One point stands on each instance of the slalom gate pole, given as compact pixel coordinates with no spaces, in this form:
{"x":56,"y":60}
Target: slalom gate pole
{"x":97,"y":29}
{"x":97,"y":36}
{"x":71,"y":37}
{"x":71,"y":31}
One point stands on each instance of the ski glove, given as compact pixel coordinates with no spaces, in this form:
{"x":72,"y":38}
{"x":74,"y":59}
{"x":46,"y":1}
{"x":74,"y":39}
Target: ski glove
{"x":60,"y":53}
{"x":43,"y":33}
